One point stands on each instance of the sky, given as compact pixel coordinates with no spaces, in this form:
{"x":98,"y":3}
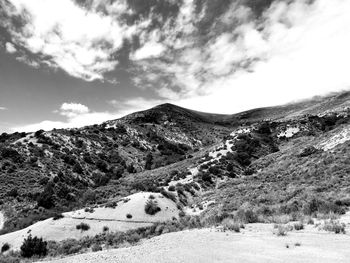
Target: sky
{"x":71,"y":63}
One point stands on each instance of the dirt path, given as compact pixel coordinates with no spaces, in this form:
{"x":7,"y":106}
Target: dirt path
{"x":255,"y":244}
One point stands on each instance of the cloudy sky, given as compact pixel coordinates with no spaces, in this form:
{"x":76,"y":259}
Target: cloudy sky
{"x":70,"y":63}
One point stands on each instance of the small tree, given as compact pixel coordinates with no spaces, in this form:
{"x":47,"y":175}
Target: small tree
{"x":78,"y":169}
{"x":33,"y":246}
{"x":5,"y":247}
{"x":151,"y":207}
{"x":149,"y":161}
{"x":46,"y":198}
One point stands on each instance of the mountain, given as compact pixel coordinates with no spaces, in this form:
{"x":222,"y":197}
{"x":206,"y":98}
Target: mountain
{"x":283,"y":160}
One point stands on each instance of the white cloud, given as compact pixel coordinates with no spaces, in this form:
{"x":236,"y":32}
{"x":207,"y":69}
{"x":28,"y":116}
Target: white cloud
{"x":10,"y":48}
{"x":149,"y":50}
{"x":72,"y":110}
{"x":3,"y":108}
{"x":74,"y":38}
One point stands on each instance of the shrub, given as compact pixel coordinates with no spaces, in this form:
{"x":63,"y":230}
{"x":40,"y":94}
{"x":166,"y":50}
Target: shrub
{"x":334,"y":226}
{"x":96,"y":247}
{"x":247,"y":216}
{"x":168,"y":195}
{"x":5,"y":247}
{"x":310,"y":221}
{"x":112,"y":204}
{"x":58,"y":216}
{"x":129,"y":216}
{"x":89,"y":196}
{"x":83,"y":227}
{"x":13,"y":192}
{"x":298,"y":226}
{"x":231,"y":225}
{"x":78,"y":169}
{"x":46,"y":198}
{"x":308,"y":151}
{"x":33,"y":246}
{"x":151,"y":207}
{"x":171,"y":188}
{"x":281,"y":230}
{"x":69,"y":246}
{"x":105,"y":229}
{"x":182,"y":214}
{"x":89,"y":209}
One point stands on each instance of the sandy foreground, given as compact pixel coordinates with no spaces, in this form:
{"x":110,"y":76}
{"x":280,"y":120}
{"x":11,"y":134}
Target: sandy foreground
{"x":256,"y":243}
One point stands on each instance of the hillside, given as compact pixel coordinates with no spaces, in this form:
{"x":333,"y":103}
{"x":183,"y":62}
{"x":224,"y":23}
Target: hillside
{"x":267,"y":165}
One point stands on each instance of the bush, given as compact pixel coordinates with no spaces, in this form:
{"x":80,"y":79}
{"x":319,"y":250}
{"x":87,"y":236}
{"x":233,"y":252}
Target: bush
{"x":309,"y":151}
{"x":83,"y":227}
{"x":151,"y":207}
{"x":129,"y":216}
{"x":46,"y":198}
{"x":168,"y":195}
{"x":33,"y":246}
{"x":78,"y":169}
{"x":5,"y":247}
{"x":298,"y":226}
{"x":89,"y":209}
{"x":58,"y":216}
{"x":247,"y":216}
{"x":69,"y":246}
{"x":281,"y":230}
{"x":171,"y":188}
{"x":231,"y":225}
{"x":96,"y":247}
{"x":105,"y":229}
{"x":334,"y":226}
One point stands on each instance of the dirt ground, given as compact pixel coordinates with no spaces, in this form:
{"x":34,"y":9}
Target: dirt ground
{"x":256,"y":243}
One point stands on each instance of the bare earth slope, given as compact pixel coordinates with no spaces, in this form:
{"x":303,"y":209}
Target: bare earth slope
{"x":256,"y":243}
